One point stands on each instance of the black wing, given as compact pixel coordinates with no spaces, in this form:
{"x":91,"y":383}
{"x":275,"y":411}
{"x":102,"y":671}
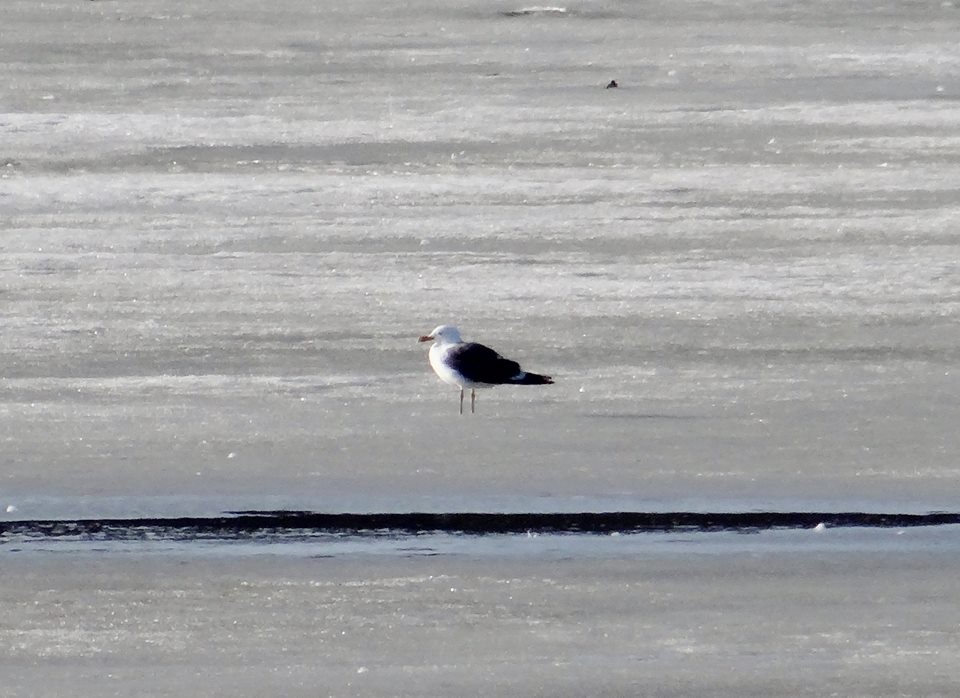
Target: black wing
{"x":481,"y":364}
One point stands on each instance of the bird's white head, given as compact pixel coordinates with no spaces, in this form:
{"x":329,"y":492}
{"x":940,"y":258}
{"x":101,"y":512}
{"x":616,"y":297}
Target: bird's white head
{"x":444,"y":334}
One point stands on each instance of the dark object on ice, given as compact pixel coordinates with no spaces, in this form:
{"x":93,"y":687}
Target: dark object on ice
{"x":268,"y":525}
{"x":611,"y":84}
{"x":536,"y":11}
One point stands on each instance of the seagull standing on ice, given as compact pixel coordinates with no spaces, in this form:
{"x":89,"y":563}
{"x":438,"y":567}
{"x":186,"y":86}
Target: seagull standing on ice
{"x":472,"y":365}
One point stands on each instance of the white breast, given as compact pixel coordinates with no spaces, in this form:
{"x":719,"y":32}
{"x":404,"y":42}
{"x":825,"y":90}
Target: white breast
{"x":447,"y":375}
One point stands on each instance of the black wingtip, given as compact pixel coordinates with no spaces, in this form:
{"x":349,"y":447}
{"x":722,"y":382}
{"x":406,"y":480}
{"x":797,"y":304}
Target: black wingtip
{"x":535,"y":379}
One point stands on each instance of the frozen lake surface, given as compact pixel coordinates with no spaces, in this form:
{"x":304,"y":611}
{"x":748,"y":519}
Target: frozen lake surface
{"x":855,"y":613}
{"x":224,"y":226}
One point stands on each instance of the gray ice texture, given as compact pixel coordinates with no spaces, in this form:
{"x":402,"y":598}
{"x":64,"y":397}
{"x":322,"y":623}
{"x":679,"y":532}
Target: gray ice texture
{"x":223,"y":226}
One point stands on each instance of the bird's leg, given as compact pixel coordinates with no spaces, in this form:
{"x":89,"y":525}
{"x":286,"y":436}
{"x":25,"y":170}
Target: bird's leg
{"x":461,"y":400}
{"x":473,"y":401}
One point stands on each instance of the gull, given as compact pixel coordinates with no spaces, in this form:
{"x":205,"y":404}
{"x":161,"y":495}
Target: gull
{"x":472,"y":365}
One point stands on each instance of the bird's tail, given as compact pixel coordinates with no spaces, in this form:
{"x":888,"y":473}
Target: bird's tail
{"x":526,"y":378}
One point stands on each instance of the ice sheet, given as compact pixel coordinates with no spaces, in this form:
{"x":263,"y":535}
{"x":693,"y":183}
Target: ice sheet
{"x":224,"y":228}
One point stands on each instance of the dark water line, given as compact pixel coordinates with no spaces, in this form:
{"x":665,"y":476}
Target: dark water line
{"x":301,"y":523}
